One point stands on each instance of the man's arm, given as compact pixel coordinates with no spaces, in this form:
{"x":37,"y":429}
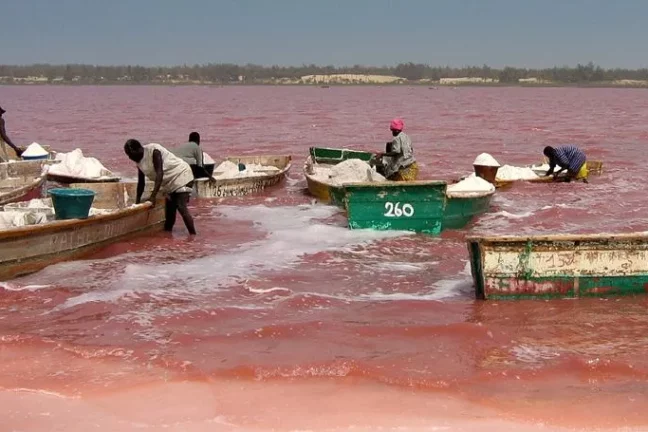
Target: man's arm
{"x":140,"y":186}
{"x":198,"y":155}
{"x":5,"y":138}
{"x":552,"y":167}
{"x":159,"y":174}
{"x":396,"y":148}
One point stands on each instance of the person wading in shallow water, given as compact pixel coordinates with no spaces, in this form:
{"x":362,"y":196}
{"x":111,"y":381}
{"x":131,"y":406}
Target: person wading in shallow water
{"x":397,"y":163}
{"x":569,"y":158}
{"x":4,"y":141}
{"x":171,"y":175}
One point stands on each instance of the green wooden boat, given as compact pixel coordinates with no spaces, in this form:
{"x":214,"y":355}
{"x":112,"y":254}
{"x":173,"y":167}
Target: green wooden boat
{"x":332,"y":156}
{"x":421,"y":206}
{"x":559,"y":266}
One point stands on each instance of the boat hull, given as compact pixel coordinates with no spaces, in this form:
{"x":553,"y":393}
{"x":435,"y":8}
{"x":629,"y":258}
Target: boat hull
{"x":20,"y":181}
{"x":28,"y":249}
{"x":460,"y":211}
{"x":559,"y":266}
{"x":324,"y":192}
{"x":234,"y":187}
{"x":406,"y":206}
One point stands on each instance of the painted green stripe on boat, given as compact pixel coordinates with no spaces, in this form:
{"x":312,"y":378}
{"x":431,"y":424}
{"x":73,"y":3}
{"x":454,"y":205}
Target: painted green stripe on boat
{"x":498,"y":288}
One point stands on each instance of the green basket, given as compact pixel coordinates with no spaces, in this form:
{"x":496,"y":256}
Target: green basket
{"x":70,"y":203}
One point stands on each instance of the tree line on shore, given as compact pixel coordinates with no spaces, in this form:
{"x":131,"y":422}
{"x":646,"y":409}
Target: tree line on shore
{"x":230,"y":73}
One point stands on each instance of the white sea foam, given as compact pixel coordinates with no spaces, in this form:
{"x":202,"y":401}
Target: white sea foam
{"x":292,"y":233}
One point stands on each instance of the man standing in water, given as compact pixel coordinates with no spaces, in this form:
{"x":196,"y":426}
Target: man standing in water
{"x":171,"y":175}
{"x":4,"y":141}
{"x":569,"y":158}
{"x":192,"y":153}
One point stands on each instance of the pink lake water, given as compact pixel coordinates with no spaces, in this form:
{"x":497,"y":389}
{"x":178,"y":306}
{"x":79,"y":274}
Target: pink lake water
{"x":278,"y":317}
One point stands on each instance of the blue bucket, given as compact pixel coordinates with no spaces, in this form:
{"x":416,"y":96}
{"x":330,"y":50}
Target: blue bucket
{"x":71,"y":203}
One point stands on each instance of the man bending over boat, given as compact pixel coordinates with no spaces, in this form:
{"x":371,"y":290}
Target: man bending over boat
{"x":397,"y":163}
{"x":172,"y":176}
{"x":193,"y":155}
{"x":571,"y":159}
{"x":4,"y":141}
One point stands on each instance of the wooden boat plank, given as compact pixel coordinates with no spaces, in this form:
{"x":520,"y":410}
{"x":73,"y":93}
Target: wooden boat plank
{"x":559,"y":266}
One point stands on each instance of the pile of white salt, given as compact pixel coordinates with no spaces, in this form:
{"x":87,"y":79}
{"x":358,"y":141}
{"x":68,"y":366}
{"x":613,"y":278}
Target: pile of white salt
{"x":76,"y":165}
{"x":35,"y":150}
{"x":485,"y":159}
{"x":348,"y":171}
{"x":470,"y":185}
{"x":509,"y":172}
{"x":229,"y":169}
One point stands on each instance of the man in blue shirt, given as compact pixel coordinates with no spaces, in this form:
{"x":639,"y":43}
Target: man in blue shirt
{"x":569,"y":158}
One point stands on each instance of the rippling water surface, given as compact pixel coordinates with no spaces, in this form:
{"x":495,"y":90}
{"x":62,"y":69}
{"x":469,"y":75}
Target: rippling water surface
{"x":278,"y":317}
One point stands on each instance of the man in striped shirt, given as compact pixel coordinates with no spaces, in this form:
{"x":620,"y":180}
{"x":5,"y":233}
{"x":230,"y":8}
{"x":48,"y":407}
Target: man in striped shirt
{"x":569,"y":158}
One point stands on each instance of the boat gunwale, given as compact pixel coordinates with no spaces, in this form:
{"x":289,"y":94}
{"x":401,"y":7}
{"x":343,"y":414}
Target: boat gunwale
{"x":469,"y":195}
{"x":69,"y":179}
{"x":639,"y":235}
{"x":62,"y":225}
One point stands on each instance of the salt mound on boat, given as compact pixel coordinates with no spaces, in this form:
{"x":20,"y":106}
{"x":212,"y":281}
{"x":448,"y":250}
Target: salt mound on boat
{"x":470,"y":185}
{"x":207,"y":160}
{"x":35,"y":150}
{"x":348,"y":171}
{"x":14,"y":219}
{"x":76,"y":165}
{"x":228,"y":169}
{"x":544,"y":167}
{"x":508,"y":172}
{"x":485,"y":159}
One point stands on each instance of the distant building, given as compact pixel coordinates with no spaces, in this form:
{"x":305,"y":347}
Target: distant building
{"x":467,"y":80}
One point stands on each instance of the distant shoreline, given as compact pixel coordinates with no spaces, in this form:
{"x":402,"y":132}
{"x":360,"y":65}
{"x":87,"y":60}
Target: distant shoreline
{"x":403,"y":74}
{"x":432,"y":86}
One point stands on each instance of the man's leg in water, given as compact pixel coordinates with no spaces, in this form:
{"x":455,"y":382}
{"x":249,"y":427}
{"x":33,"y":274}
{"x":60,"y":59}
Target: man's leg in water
{"x":182,"y":200}
{"x":170,"y":208}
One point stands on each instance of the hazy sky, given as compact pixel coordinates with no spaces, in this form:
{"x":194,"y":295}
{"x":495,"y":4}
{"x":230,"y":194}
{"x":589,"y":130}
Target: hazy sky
{"x":532,"y":33}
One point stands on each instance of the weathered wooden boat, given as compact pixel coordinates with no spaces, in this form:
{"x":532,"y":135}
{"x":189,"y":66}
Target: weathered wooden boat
{"x":559,"y":266}
{"x":21,"y":180}
{"x":420,"y":206}
{"x":68,"y":179}
{"x":216,"y":187}
{"x":27,"y":249}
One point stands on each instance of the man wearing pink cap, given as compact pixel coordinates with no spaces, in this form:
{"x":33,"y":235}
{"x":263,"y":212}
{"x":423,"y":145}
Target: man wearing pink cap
{"x":398,"y":163}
